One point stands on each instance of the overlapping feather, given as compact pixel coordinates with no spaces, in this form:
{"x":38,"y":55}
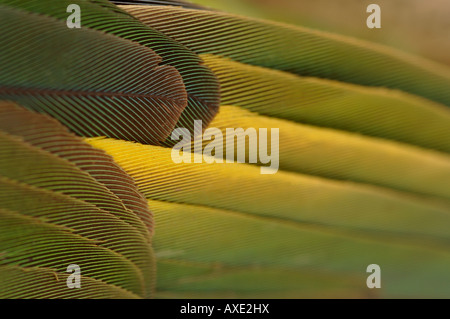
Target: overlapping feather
{"x":56,"y":209}
{"x":248,"y":256}
{"x":200,"y":83}
{"x":49,"y":135}
{"x":333,"y":153}
{"x":128,"y":96}
{"x":223,"y":230}
{"x":287,"y":196}
{"x":297,"y":50}
{"x":379,"y":112}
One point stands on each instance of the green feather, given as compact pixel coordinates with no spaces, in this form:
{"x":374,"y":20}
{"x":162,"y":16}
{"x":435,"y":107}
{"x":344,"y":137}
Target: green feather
{"x":205,"y":252}
{"x":56,"y":209}
{"x":201,"y":85}
{"x":298,"y":50}
{"x":96,"y":84}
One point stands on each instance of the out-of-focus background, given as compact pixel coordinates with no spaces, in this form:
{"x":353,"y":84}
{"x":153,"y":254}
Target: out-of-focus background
{"x":418,"y":26}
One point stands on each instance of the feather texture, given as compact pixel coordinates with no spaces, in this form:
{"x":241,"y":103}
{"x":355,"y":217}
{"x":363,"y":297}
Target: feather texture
{"x":200,"y":83}
{"x":38,"y":282}
{"x":176,"y":3}
{"x":284,"y":196}
{"x":363,"y":153}
{"x":65,"y":214}
{"x":128,"y":96}
{"x":246,"y":255}
{"x":49,"y":135}
{"x":338,"y":154}
{"x":371,"y":111}
{"x":298,"y":50}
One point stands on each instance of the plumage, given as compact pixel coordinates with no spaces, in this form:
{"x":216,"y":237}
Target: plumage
{"x":298,"y":198}
{"x":341,"y":155}
{"x":56,"y":211}
{"x":202,"y":88}
{"x":88,"y":174}
{"x":123,"y":98}
{"x":297,"y":50}
{"x":251,"y":256}
{"x":372,"y":111}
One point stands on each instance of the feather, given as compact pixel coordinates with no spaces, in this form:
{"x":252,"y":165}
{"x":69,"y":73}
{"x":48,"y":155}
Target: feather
{"x":176,"y":3}
{"x":49,"y":135}
{"x":36,"y":167}
{"x":201,"y":85}
{"x":298,"y":50}
{"x":188,"y":280}
{"x":284,"y":196}
{"x":54,"y":212}
{"x":341,"y":155}
{"x":371,"y":111}
{"x":37,"y":282}
{"x":247,"y":255}
{"x":91,"y":86}
{"x":368,"y":183}
{"x":52,"y":246}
